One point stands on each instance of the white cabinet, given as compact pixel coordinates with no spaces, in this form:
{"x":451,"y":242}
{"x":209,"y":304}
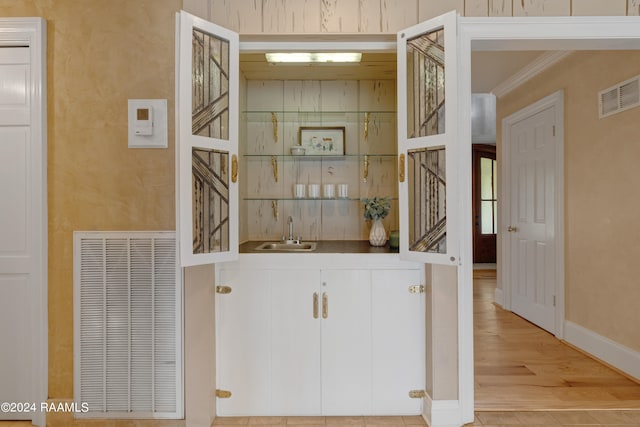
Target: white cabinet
{"x":243,"y":338}
{"x":346,"y":342}
{"x":398,"y":347}
{"x":295,"y":343}
{"x":315,"y":341}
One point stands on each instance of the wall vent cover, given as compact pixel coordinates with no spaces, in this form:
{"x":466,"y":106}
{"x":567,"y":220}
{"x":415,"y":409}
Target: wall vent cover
{"x":620,"y":97}
{"x":127,"y":325}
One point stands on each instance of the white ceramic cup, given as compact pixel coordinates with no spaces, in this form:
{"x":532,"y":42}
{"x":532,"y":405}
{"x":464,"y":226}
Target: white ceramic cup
{"x":329,"y":191}
{"x":343,"y":191}
{"x":298,"y":191}
{"x":314,"y":191}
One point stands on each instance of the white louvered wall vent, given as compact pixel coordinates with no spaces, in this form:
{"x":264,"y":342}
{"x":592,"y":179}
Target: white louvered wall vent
{"x":127,"y":325}
{"x":620,"y":97}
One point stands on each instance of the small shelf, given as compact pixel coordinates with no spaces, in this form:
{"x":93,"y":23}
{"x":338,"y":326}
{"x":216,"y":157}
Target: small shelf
{"x":312,"y":199}
{"x":314,"y":157}
{"x":318,"y":117}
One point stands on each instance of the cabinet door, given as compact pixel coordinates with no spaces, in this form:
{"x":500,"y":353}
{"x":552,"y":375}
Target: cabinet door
{"x":243,"y":340}
{"x":295,"y":342}
{"x":398,"y":341}
{"x":346,"y":342}
{"x":427,"y":136}
{"x":207,"y":76}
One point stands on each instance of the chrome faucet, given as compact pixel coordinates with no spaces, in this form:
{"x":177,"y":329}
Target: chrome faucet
{"x":290,"y":222}
{"x":290,"y":239}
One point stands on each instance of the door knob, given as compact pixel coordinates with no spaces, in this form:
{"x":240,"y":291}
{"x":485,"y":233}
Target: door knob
{"x":511,"y":229}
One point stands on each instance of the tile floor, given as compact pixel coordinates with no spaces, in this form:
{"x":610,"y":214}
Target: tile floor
{"x":604,"y":418}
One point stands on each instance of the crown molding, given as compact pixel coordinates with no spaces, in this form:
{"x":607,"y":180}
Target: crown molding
{"x":529,"y":71}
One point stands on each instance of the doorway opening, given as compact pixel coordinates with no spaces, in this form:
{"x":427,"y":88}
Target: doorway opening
{"x":496,"y":345}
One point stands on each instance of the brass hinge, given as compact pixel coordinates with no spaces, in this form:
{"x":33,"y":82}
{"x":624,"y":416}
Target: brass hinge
{"x":223,"y":394}
{"x":416,"y":289}
{"x":223,"y":289}
{"x":417,"y":394}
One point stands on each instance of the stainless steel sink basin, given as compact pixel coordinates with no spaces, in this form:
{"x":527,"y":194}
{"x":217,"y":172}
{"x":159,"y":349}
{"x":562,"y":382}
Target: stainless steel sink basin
{"x":287,"y":246}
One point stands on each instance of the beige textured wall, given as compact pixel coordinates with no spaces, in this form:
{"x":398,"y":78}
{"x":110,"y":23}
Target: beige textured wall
{"x":602,"y":240}
{"x":100,"y":53}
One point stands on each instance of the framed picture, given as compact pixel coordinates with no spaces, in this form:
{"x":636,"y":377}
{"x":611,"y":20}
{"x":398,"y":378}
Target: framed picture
{"x":322,"y":141}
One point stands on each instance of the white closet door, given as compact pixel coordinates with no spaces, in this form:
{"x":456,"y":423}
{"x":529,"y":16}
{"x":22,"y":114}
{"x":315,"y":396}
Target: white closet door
{"x":18,"y":256}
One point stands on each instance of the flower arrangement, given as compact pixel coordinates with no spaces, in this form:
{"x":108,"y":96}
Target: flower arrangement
{"x":376,"y":207}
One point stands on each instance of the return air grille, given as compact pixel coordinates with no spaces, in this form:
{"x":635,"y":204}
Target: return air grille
{"x":620,"y":97}
{"x":127,"y":323}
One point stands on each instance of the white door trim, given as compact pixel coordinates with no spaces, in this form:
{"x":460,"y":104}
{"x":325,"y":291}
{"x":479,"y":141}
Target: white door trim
{"x":518,"y":33}
{"x":554,"y":100}
{"x":32,"y":32}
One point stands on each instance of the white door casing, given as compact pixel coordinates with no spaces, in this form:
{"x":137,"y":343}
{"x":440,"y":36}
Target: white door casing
{"x":207,"y":213}
{"x":23,"y":217}
{"x":532,"y":145}
{"x":540,"y":33}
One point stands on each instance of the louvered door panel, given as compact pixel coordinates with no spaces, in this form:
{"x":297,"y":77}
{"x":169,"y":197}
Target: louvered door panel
{"x":127,"y":308}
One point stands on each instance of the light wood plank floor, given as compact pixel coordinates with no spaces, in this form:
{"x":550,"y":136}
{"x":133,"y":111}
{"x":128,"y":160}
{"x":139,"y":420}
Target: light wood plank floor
{"x":519,"y":366}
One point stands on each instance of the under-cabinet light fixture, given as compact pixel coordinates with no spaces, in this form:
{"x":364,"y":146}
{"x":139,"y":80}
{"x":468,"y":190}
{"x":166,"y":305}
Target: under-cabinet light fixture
{"x":313,"y":57}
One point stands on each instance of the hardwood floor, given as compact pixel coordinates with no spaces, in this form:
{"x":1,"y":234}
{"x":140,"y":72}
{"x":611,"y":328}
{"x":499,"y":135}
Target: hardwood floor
{"x":519,"y":366}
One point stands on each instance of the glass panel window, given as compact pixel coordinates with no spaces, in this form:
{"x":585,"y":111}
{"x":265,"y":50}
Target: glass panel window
{"x":427,"y":191}
{"x":210,"y":177}
{"x":210,"y":86}
{"x":425,"y":85}
{"x":488,"y":196}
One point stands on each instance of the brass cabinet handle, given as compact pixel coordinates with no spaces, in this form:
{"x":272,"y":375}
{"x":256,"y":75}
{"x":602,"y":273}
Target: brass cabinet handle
{"x":234,"y":168}
{"x":315,"y":305}
{"x":325,"y":305}
{"x":401,"y":167}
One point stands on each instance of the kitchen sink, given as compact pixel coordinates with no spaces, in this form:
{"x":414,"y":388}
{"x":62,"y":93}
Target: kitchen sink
{"x":287,"y":246}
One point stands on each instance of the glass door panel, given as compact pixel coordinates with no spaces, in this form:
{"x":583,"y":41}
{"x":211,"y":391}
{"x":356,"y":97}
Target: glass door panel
{"x":207,"y":147}
{"x":427,"y":123}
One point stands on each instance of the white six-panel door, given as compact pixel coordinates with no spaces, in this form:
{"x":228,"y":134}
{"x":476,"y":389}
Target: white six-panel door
{"x":532,"y":138}
{"x":17,"y":265}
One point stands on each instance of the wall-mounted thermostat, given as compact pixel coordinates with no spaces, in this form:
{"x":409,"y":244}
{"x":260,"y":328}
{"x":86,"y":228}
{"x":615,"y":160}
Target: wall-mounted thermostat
{"x":148,"y":123}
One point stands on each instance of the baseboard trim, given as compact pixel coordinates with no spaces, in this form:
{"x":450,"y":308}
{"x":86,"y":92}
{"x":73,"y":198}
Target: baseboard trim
{"x":610,"y":352}
{"x":498,"y":297}
{"x":442,"y":413}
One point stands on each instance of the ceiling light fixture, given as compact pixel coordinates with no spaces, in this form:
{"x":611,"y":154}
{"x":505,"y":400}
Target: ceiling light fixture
{"x":313,"y":57}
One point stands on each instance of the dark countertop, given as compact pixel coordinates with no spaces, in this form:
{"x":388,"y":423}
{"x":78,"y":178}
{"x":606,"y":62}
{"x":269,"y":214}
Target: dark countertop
{"x":326,"y":247}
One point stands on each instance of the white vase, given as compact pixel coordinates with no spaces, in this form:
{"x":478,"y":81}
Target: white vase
{"x":377,"y":235}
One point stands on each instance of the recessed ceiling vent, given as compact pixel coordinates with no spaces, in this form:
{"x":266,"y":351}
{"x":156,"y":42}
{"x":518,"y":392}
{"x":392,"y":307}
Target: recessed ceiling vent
{"x":620,"y":97}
